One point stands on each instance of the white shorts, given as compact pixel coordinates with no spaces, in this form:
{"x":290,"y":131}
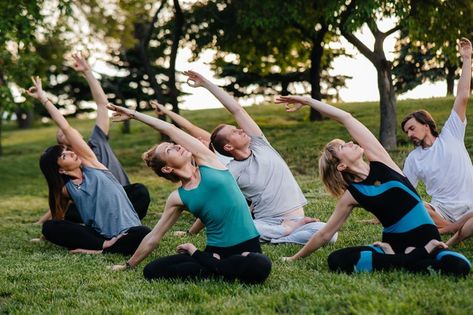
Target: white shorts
{"x":449,"y":214}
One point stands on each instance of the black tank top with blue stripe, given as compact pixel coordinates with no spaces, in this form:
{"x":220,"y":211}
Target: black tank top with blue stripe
{"x":397,"y":205}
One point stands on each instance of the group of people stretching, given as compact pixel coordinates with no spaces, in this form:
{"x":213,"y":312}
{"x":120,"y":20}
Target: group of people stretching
{"x":243,"y":193}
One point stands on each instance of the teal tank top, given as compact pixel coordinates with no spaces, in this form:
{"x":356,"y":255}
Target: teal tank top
{"x":220,"y":205}
{"x":102,"y":202}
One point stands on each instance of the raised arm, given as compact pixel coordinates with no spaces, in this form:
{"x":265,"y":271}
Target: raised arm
{"x":202,"y":154}
{"x":339,"y":216}
{"x":78,"y":144}
{"x":172,"y":211}
{"x":81,"y":65}
{"x":362,"y":135}
{"x":239,"y":113}
{"x":463,"y":89}
{"x":182,"y":122}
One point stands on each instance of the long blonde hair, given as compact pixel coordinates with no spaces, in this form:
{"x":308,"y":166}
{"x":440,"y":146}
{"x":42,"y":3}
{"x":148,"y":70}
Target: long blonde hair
{"x":335,"y":182}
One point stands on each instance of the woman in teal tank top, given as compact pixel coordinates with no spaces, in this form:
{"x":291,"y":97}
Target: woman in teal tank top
{"x":111,"y":223}
{"x":208,"y":191}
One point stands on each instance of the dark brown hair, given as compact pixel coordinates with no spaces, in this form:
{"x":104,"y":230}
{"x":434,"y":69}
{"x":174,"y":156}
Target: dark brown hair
{"x":423,"y":117}
{"x":48,"y":163}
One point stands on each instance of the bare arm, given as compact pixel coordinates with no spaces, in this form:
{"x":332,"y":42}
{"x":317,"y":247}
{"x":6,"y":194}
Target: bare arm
{"x":196,"y":227}
{"x":78,"y":144}
{"x":463,"y":89}
{"x":201,"y":153}
{"x":339,"y":216}
{"x":172,"y":211}
{"x":362,"y":135}
{"x":182,"y":122}
{"x":102,"y":120}
{"x":239,"y":113}
{"x":45,"y":217}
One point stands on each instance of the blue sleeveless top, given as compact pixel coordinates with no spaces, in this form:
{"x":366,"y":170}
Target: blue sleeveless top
{"x":220,"y":205}
{"x":102,"y":202}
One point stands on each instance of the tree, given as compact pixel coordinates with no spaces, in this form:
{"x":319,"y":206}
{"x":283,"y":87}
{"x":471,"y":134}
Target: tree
{"x":143,"y":37}
{"x":428,"y":49}
{"x":275,"y":42}
{"x":421,"y":62}
{"x":358,"y":13}
{"x":22,"y":36}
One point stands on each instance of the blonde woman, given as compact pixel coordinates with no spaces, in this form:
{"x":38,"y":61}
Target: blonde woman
{"x":411,"y":239}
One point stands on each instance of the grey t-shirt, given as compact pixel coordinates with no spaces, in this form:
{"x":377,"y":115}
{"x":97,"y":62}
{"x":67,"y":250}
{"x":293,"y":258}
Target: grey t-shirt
{"x":266,"y":180}
{"x":98,"y":142}
{"x":102,"y":202}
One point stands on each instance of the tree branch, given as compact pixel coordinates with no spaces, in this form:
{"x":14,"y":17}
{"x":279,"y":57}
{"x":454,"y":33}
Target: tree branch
{"x":150,"y":28}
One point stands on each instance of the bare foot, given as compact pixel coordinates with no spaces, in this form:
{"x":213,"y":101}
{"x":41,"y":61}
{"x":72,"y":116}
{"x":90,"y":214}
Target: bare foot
{"x":113,"y":240}
{"x":387,"y":249}
{"x":179,"y":233}
{"x":409,"y":249}
{"x":433,"y":245}
{"x":292,"y":224}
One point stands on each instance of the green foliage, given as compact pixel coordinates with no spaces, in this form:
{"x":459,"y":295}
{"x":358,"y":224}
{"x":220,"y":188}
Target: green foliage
{"x":427,"y":48}
{"x":272,"y":43}
{"x":43,"y":278}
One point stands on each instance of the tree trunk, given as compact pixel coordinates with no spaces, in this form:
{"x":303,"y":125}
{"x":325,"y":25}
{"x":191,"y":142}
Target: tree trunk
{"x":24,"y":118}
{"x":178,"y":25}
{"x":284,"y":88}
{"x":143,"y":32}
{"x":387,"y":96}
{"x":150,"y":72}
{"x":315,"y":68}
{"x":387,"y":104}
{"x":450,"y":78}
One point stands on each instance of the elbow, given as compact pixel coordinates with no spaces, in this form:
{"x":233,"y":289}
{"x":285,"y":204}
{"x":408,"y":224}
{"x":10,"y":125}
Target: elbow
{"x":328,"y":238}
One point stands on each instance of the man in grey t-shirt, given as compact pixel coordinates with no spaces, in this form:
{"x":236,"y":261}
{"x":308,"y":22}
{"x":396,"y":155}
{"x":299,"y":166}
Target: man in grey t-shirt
{"x":261,"y":173}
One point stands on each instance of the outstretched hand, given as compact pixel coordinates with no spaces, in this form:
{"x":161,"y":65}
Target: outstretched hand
{"x":80,"y":64}
{"x":36,"y":91}
{"x":292,"y":102}
{"x":464,"y":47}
{"x":194,"y":79}
{"x":158,"y":108}
{"x":121,"y":113}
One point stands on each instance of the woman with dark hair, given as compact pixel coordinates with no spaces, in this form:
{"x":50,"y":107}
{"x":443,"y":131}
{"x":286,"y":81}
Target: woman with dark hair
{"x":111,"y":223}
{"x":410,"y":237}
{"x":209,"y":192}
{"x":99,"y":143}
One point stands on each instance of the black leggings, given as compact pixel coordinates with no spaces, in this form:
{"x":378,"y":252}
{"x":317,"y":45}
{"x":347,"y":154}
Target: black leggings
{"x":137,"y":193}
{"x":253,"y":268}
{"x":370,"y":258}
{"x":73,"y":235}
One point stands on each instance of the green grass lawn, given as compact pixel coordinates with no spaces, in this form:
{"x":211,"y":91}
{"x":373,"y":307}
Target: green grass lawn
{"x":43,"y":278}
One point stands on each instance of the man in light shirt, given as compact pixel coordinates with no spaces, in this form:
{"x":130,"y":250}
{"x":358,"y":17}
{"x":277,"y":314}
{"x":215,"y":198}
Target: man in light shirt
{"x":442,"y":162}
